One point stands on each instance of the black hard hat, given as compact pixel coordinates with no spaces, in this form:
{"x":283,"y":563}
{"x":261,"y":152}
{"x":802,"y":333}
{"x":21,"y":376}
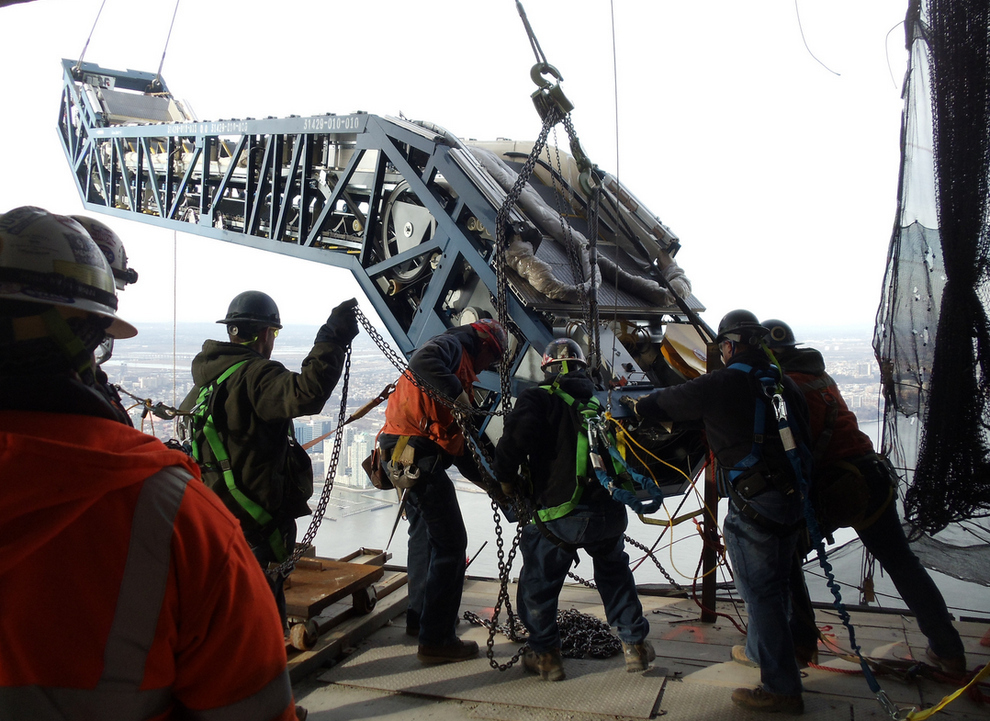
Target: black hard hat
{"x":253,"y":306}
{"x":560,"y":350}
{"x":781,"y":335}
{"x":740,"y":326}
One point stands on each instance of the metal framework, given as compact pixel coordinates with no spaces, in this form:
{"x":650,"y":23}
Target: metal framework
{"x":406,"y":207}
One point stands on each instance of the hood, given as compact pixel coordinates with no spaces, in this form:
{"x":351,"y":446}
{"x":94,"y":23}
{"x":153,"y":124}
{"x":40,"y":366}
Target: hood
{"x":57,"y":465}
{"x":802,"y":360}
{"x":216,"y":357}
{"x":577,"y":384}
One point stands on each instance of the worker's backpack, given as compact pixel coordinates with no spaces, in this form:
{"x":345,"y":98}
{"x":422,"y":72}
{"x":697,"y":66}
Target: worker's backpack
{"x":199,"y":430}
{"x":598,"y":459}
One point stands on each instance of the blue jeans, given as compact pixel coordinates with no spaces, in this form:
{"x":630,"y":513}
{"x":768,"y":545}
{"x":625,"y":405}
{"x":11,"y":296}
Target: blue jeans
{"x":433,"y":502}
{"x":761,"y":563}
{"x":599,"y":532}
{"x":885,"y":539}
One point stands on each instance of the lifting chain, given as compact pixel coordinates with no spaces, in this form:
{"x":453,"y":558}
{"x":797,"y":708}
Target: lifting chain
{"x":656,"y":562}
{"x":581,"y":635}
{"x":285,"y":568}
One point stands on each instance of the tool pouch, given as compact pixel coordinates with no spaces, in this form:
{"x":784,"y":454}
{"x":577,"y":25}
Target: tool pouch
{"x":373,"y":467}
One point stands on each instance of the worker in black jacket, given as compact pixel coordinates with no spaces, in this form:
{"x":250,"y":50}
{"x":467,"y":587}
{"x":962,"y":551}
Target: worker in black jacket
{"x":760,"y":469}
{"x":542,"y":434}
{"x":272,"y":476}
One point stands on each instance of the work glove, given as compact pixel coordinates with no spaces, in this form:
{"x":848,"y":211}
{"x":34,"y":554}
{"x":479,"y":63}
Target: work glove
{"x":341,"y":326}
{"x":630,"y":403}
{"x":508,"y":489}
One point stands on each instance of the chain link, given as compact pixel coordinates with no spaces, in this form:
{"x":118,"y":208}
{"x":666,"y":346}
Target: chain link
{"x":581,"y":635}
{"x":656,"y":562}
{"x":285,"y":568}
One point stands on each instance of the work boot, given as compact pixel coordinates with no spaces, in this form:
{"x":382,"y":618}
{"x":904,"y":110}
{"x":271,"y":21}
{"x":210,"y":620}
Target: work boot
{"x":457,"y":650}
{"x":759,"y":699}
{"x":638,"y":655}
{"x":549,"y":665}
{"x":951,"y":666}
{"x":739,"y":656}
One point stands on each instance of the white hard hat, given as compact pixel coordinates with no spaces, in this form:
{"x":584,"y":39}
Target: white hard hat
{"x":52,"y":260}
{"x":112,"y":247}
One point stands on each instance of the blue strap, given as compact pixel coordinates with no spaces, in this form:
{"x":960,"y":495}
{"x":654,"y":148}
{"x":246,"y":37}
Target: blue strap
{"x":641,"y":494}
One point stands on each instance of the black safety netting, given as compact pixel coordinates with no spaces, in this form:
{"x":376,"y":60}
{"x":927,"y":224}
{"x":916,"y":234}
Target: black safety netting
{"x":932,"y":336}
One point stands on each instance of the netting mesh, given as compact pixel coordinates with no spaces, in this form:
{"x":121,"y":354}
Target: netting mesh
{"x":932,"y":335}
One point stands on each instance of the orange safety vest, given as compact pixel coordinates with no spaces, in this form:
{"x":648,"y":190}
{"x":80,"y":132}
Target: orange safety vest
{"x":413,"y":412}
{"x":155,"y":607}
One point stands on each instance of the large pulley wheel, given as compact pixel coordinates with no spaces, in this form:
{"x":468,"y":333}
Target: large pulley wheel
{"x":405,"y":225}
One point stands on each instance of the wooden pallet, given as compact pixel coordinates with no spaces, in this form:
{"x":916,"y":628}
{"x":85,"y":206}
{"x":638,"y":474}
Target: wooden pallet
{"x":338,"y":602}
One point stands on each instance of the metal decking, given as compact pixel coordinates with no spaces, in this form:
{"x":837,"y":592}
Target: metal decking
{"x":691,"y":679}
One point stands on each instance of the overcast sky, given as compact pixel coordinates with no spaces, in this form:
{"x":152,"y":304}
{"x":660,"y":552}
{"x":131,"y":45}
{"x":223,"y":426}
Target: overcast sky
{"x":778,"y":174}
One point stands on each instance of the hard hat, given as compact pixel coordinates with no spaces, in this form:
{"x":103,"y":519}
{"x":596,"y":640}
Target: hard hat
{"x":494,"y":333}
{"x":51,"y":259}
{"x":253,"y":306}
{"x":781,"y":335}
{"x":564,"y":353}
{"x":740,"y":326}
{"x":112,"y":248}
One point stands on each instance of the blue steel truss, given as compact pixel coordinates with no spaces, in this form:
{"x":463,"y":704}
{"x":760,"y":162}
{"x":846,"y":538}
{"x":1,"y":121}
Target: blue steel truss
{"x":404,"y":206}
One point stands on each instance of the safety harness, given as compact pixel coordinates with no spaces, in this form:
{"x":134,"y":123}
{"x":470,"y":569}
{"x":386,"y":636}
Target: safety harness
{"x":203,"y":426}
{"x":754,"y":475}
{"x":594,"y":445}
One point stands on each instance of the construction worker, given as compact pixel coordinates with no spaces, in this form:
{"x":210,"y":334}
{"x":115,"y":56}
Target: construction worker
{"x":127,"y":589}
{"x":270,"y":476}
{"x":113,"y":248}
{"x":542,"y":434}
{"x":854,"y":487}
{"x":761,"y":457}
{"x":421,"y":438}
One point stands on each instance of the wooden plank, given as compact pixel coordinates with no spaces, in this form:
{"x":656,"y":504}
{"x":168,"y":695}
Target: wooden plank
{"x":317,"y":583}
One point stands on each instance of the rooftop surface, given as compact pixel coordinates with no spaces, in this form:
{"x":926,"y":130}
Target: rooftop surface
{"x":375,"y":673}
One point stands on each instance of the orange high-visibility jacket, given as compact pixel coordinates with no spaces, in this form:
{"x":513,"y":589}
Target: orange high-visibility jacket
{"x":127,"y":590}
{"x":413,"y":412}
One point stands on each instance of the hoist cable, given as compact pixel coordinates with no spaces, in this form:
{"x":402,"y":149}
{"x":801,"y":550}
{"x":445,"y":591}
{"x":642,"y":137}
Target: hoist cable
{"x":534,"y":43}
{"x":158,"y":75}
{"x":83,"y":53}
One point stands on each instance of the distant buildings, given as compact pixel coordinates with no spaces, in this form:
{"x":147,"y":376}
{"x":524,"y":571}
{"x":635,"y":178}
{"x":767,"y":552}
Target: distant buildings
{"x":152,"y":370}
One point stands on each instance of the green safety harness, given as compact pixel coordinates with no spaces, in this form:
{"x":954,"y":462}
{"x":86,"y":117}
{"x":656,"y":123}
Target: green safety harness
{"x":202,"y":421}
{"x":594,"y":444}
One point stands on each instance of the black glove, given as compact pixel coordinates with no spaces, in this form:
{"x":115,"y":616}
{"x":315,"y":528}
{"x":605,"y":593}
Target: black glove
{"x":630,"y":403}
{"x":341,"y":326}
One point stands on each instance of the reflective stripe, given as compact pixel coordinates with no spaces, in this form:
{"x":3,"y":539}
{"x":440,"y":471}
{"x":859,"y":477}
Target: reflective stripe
{"x":268,"y":703}
{"x":145,"y":576}
{"x":117,"y":696}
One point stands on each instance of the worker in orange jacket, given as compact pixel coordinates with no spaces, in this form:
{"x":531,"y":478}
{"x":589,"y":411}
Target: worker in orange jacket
{"x":128,"y":590}
{"x":420,"y":440}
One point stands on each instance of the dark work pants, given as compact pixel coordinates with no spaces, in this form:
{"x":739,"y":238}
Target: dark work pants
{"x":599,"y":532}
{"x":265,"y":555}
{"x":433,"y":501}
{"x":885,"y":539}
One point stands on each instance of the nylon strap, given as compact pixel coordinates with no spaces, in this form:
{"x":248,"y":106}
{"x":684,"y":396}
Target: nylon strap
{"x":262,"y":517}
